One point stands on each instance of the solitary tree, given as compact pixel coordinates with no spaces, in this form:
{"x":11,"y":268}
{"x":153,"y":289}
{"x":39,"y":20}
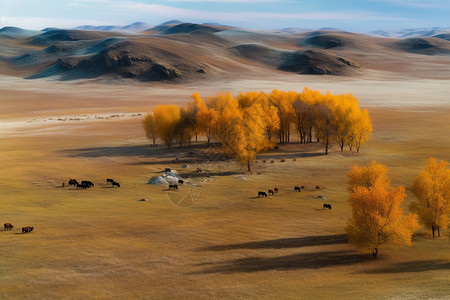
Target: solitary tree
{"x":377,"y":220}
{"x":432,"y":188}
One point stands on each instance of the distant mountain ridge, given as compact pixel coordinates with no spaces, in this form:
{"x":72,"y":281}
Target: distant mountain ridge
{"x":189,"y":52}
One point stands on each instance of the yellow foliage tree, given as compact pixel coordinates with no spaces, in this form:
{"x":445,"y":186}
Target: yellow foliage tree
{"x":166,"y":118}
{"x":244,"y":135}
{"x":432,"y":188}
{"x":150,"y":128}
{"x":377,"y":220}
{"x":368,"y":176}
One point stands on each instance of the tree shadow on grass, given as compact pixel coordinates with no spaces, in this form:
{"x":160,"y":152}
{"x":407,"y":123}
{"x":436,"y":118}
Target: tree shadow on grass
{"x":413,"y":266}
{"x":307,"y":241}
{"x":314,"y":260}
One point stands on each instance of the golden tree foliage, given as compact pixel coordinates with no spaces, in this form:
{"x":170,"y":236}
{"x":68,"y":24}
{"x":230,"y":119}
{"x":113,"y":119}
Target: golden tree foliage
{"x":150,"y":128}
{"x":377,"y":220}
{"x":432,"y":188}
{"x":327,"y":118}
{"x":368,"y":176}
{"x":166,"y":119}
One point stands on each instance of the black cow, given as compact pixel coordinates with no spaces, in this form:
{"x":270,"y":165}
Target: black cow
{"x":270,"y":192}
{"x":296,"y":188}
{"x":262,"y":194}
{"x":115,"y":184}
{"x":180,"y":181}
{"x":27,"y":229}
{"x":326,"y":206}
{"x":8,"y":226}
{"x":303,"y":187}
{"x":73,"y":182}
{"x":173,"y":186}
{"x":275,"y":190}
{"x":317,"y":187}
{"x":110,"y":180}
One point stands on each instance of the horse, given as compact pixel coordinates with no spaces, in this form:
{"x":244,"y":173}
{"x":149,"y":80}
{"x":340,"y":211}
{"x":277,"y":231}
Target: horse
{"x":262,"y":194}
{"x":8,"y":226}
{"x":82,"y":186}
{"x":73,"y":182}
{"x":296,"y":188}
{"x":27,"y":229}
{"x":326,"y":206}
{"x":88,"y":183}
{"x":270,"y":192}
{"x":275,"y":190}
{"x":115,"y":184}
{"x":109,"y":180}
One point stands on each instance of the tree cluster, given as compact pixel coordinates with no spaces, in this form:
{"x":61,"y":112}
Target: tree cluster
{"x":255,"y":121}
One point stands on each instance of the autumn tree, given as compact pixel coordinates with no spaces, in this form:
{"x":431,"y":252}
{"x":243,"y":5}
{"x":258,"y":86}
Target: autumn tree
{"x":361,"y":129}
{"x":377,"y":219}
{"x":325,"y":125}
{"x":244,"y":136}
{"x":432,"y":188}
{"x":283,"y":102}
{"x":150,"y":128}
{"x":166,"y":119}
{"x":368,"y":176}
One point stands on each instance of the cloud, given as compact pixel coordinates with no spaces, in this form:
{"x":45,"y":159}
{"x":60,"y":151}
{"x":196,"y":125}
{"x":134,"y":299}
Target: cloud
{"x":429,"y":4}
{"x":163,"y":10}
{"x":41,"y":23}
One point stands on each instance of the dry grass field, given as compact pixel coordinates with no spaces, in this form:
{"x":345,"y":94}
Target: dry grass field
{"x":213,"y":238}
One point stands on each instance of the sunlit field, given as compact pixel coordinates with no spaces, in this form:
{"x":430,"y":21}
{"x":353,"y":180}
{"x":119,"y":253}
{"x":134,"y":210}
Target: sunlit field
{"x":213,"y":238}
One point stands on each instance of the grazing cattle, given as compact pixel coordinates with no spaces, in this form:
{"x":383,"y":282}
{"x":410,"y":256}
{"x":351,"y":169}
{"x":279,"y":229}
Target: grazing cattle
{"x":317,"y":187}
{"x":8,"y":226}
{"x":27,"y":229}
{"x":303,"y":187}
{"x":73,"y":182}
{"x":116,"y":184}
{"x":296,"y":188}
{"x":82,"y":186}
{"x":327,"y":206}
{"x":87,"y":183}
{"x":262,"y":194}
{"x":275,"y":190}
{"x":270,"y":192}
{"x":199,"y":170}
{"x":173,"y":186}
{"x":180,"y":181}
{"x":110,"y":180}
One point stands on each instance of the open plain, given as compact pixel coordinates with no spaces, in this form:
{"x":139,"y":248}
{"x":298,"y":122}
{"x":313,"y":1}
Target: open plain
{"x":213,"y":238}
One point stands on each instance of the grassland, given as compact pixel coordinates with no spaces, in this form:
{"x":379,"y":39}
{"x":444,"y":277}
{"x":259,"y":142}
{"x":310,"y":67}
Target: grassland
{"x":218,"y":242}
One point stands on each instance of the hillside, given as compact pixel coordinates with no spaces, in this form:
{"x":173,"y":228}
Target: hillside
{"x":186,"y":52}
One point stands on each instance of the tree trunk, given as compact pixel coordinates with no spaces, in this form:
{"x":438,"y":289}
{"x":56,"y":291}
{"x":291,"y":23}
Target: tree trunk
{"x":375,"y":252}
{"x":439,"y":234}
{"x":326,"y":147}
{"x":248,"y":165}
{"x":432,"y":229}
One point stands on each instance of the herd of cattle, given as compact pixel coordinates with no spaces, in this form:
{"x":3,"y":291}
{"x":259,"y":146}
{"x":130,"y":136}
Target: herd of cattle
{"x":86,"y":184}
{"x":296,"y":188}
{"x":26,"y":229}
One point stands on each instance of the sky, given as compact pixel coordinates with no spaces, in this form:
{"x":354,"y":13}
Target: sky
{"x":350,"y":15}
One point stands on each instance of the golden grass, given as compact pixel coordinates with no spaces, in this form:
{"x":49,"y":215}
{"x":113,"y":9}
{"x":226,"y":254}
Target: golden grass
{"x":103,"y":243}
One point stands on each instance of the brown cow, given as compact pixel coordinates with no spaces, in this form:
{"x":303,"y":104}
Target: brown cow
{"x":275,"y":190}
{"x":27,"y":229}
{"x":8,"y":226}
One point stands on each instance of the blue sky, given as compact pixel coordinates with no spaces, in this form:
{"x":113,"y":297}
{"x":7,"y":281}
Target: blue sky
{"x":352,"y":15}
